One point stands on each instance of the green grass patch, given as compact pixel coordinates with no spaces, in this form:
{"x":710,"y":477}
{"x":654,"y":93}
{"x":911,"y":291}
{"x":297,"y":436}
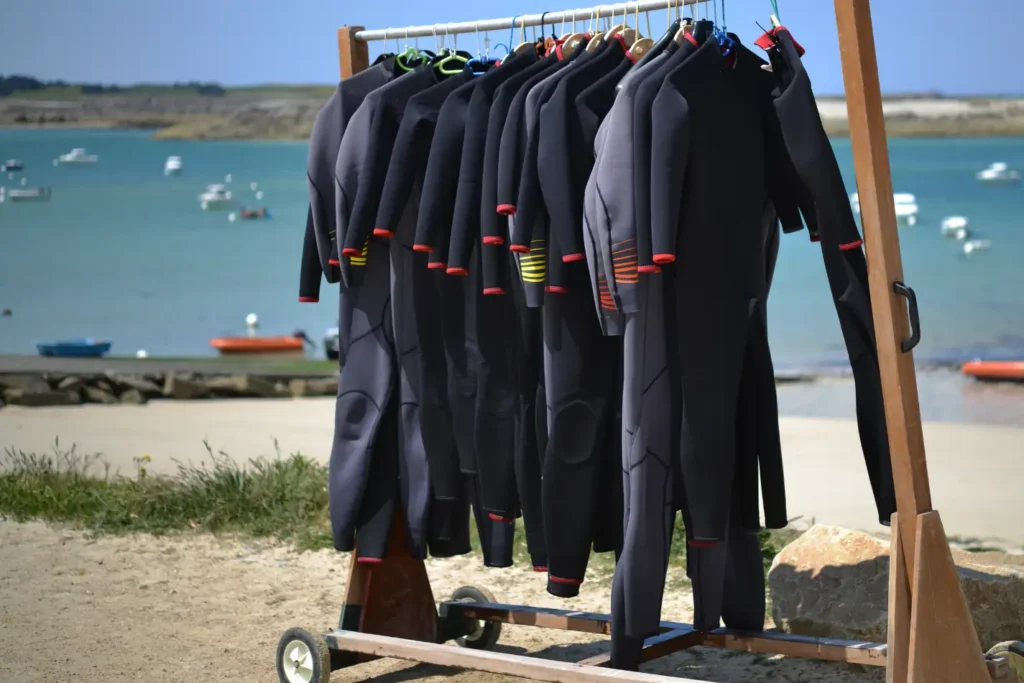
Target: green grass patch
{"x":281,"y":497}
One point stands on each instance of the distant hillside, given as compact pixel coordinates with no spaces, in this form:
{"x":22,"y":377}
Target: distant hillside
{"x":22,"y":85}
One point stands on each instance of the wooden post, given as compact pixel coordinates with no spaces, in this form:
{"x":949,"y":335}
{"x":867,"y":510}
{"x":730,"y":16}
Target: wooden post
{"x":939,"y":641}
{"x":353,"y":55}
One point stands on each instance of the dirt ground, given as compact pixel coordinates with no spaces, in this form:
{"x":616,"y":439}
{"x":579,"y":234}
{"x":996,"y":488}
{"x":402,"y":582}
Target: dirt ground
{"x":199,"y":608}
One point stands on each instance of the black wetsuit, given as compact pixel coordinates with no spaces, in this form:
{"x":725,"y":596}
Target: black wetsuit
{"x":449,"y":511}
{"x":845,"y":264}
{"x":378,"y":445}
{"x":581,"y":489}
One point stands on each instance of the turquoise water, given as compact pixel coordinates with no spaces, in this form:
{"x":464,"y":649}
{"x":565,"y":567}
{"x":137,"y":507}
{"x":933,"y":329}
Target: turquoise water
{"x":123,"y":253}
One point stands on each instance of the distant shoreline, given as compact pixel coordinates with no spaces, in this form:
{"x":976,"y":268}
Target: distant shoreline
{"x":288,"y":113}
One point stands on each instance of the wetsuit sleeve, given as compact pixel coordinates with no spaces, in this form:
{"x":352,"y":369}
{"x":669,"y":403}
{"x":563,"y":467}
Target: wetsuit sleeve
{"x":528,"y":199}
{"x":408,"y":161}
{"x":492,"y":225}
{"x":310,"y":271}
{"x":557,"y":172}
{"x":670,"y":133}
{"x":510,"y":159}
{"x":465,"y":217}
{"x":438,"y":195}
{"x":371,"y":182}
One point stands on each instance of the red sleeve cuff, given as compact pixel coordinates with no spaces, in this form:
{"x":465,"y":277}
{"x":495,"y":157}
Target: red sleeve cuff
{"x":507,"y":209}
{"x":851,"y":245}
{"x":662,"y":259}
{"x":425,"y":248}
{"x":457,"y":271}
{"x":350,"y":251}
{"x":648,"y":269}
{"x":494,"y":290}
{"x":572,"y":258}
{"x":519,"y":248}
{"x":309,"y":299}
{"x":491,"y":239}
{"x":381,"y":232}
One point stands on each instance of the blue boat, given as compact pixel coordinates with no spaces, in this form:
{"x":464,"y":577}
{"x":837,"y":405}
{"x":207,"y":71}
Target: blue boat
{"x":85,"y":347}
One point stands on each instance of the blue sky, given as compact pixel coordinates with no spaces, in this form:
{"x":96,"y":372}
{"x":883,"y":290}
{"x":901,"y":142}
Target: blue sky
{"x":270,"y":41}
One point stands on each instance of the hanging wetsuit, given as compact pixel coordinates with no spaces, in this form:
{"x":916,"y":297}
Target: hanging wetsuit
{"x":449,"y":511}
{"x":495,"y":271}
{"x":646,"y":464}
{"x":581,"y":486}
{"x":378,"y":445}
{"x":708,"y":167}
{"x":841,"y":249}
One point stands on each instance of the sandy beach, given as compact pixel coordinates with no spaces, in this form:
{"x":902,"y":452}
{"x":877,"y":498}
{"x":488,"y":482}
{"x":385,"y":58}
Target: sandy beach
{"x":977,"y":471}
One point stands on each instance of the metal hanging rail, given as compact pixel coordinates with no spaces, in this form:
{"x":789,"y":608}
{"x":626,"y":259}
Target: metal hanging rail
{"x":585,"y":13}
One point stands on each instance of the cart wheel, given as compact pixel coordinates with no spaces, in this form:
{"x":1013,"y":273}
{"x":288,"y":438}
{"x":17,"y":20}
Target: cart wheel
{"x":303,"y":657}
{"x":1013,"y":652}
{"x":486,"y":634}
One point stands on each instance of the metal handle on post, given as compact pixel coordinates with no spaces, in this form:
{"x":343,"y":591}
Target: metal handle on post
{"x":907,"y":345}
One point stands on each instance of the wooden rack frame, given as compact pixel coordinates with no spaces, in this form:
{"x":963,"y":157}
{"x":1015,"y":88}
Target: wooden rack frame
{"x":389,"y":609}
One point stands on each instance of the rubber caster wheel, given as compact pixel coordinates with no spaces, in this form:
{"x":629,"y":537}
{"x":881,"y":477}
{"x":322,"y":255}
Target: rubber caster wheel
{"x":303,"y":657}
{"x":485,"y":635}
{"x":1013,"y":652}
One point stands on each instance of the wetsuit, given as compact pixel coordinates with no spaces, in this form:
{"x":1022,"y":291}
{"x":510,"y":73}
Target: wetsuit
{"x":581,"y":489}
{"x":449,"y":511}
{"x":495,"y":271}
{"x":366,"y":475}
{"x":708,"y":170}
{"x":845,"y":264}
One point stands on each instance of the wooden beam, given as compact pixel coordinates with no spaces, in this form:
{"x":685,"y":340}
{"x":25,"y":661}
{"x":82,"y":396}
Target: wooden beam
{"x":490,"y":662}
{"x":560,"y":620}
{"x":943,"y":642}
{"x":878,"y":215}
{"x":353,"y":55}
{"x":898,"y":631}
{"x":661,"y":645}
{"x":829,"y":649}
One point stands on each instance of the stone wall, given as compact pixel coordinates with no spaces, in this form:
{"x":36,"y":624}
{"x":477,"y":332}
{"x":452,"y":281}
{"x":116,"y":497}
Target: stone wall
{"x":56,"y":389}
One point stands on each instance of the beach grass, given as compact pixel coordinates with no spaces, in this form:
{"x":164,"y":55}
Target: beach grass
{"x":284,"y":497}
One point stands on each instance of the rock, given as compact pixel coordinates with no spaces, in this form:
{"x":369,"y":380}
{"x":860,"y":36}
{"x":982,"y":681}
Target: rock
{"x":250,"y":386}
{"x":103,"y":384}
{"x":315,"y":386}
{"x":184,"y":386}
{"x":71,"y":384}
{"x":133,"y":397}
{"x":143,"y":385}
{"x":98,"y":395}
{"x":833,"y":583}
{"x":29,"y":383}
{"x":36,"y":399}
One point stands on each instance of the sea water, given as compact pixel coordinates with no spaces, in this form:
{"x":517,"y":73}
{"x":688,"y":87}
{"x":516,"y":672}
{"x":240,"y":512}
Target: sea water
{"x":123,"y":253}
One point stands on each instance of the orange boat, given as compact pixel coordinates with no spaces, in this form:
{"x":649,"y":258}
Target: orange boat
{"x":1011,"y":370}
{"x":278,"y":346}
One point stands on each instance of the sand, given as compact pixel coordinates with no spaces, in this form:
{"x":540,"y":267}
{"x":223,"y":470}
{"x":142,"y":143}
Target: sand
{"x":976,"y":471}
{"x":196,"y":608}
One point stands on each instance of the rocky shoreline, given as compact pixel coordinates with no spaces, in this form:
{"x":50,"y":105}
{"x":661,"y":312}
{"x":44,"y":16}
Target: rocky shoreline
{"x":62,"y":389}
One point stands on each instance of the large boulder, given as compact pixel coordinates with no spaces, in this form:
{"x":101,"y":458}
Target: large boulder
{"x":99,"y":395}
{"x":313,"y":386}
{"x":834,"y":583}
{"x":32,"y":390}
{"x":144,"y":386}
{"x":133,"y":397}
{"x":183,"y":385}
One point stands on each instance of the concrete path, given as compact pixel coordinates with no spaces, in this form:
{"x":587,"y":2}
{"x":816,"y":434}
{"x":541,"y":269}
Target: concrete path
{"x":977,"y":471}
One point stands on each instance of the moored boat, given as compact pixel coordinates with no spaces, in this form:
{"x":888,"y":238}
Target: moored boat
{"x":76,"y":157}
{"x":293,"y":345}
{"x":1010,"y":370}
{"x":84,"y":347}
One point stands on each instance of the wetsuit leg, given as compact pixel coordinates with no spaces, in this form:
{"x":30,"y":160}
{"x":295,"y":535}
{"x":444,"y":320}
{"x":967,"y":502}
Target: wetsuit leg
{"x":365,"y":389}
{"x":529,"y":429}
{"x":496,"y":538}
{"x":580,"y":372}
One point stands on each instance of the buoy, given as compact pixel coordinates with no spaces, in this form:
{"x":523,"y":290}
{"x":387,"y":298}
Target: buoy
{"x":7,"y":313}
{"x":961,"y":234}
{"x":253,"y":186}
{"x":227,"y":178}
{"x":141,"y":353}
{"x":252,"y":320}
{"x":259,"y":195}
{"x":232,"y":217}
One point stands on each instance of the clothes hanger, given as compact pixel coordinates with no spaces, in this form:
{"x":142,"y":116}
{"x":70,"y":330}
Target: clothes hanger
{"x":525,"y":44}
{"x":629,"y":34}
{"x":453,"y":57}
{"x":598,"y":33}
{"x":486,"y":62}
{"x":641,"y":46}
{"x":573,"y":40}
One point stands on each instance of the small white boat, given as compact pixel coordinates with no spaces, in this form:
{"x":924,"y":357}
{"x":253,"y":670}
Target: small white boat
{"x":905,"y":203}
{"x":172,"y":166}
{"x":953,"y":226}
{"x":13,"y":165}
{"x":972,"y":246}
{"x":998,"y":172}
{"x":215,"y":197}
{"x":76,"y":157}
{"x":25,"y":194}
